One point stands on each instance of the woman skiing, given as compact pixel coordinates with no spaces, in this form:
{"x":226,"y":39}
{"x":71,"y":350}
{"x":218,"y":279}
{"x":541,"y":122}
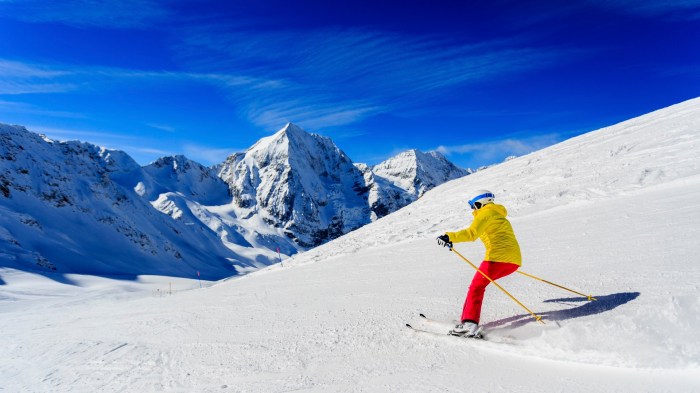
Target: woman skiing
{"x":502,"y":255}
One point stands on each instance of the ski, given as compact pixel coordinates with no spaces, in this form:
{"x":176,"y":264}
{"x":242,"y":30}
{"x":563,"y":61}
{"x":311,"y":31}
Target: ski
{"x":426,"y":319}
{"x":479,"y":336}
{"x":435,"y":321}
{"x":494,"y":338}
{"x":417,"y":330}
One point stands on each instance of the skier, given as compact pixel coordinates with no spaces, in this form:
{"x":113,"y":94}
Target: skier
{"x":502,"y":255}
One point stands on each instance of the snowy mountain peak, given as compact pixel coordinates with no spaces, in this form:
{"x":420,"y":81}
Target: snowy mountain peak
{"x":290,"y":132}
{"x":292,"y":129}
{"x":182,"y":175}
{"x":298,"y":182}
{"x":16,"y":139}
{"x":289,"y":141}
{"x":178,"y":163}
{"x":300,"y":144}
{"x":418,"y":172}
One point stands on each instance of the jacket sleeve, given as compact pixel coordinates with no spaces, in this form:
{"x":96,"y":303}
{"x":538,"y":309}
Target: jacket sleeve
{"x":469,"y":234}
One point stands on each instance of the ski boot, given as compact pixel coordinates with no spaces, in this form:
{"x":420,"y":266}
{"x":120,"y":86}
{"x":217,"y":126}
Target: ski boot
{"x":466,"y":329}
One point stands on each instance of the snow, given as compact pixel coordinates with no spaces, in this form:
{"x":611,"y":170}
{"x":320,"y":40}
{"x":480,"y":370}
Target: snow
{"x":613,"y":213}
{"x":417,"y":172}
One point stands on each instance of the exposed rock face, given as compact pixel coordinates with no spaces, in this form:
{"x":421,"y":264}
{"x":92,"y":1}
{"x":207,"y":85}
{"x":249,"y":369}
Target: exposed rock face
{"x":300,"y":182}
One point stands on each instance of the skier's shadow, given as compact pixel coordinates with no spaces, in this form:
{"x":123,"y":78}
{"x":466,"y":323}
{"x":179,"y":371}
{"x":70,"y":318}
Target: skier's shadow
{"x":603,"y":304}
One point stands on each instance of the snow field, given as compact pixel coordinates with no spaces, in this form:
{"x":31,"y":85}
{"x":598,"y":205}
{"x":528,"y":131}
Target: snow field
{"x":613,"y":214}
{"x":338,"y":325}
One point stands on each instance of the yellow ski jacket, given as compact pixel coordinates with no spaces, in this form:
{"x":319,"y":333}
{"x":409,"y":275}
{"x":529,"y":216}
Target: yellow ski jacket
{"x":491,"y":226}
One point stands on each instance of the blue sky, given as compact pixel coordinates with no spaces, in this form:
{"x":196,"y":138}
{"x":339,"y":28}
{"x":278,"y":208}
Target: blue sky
{"x":477,"y":80}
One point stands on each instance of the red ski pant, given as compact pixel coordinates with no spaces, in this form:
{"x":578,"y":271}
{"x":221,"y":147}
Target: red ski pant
{"x":475,"y":296}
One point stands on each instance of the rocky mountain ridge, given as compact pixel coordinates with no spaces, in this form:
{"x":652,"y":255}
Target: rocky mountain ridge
{"x":76,"y":207}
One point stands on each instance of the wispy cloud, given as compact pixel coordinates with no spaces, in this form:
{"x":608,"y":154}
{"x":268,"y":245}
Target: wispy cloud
{"x":493,"y":151}
{"x":141,"y":149}
{"x":33,"y":87}
{"x":10,"y":69}
{"x":317,"y":78}
{"x":311,"y":113}
{"x":22,"y":107}
{"x":92,"y":13}
{"x":102,"y":138}
{"x":320,"y":73}
{"x":19,"y":77}
{"x":208,"y":155}
{"x":24,"y":78}
{"x":149,"y":151}
{"x":161,"y":127}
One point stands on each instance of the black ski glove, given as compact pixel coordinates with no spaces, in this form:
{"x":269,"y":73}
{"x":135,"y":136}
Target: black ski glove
{"x":444,"y":241}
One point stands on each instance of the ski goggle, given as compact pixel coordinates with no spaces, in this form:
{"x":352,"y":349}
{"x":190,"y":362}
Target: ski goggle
{"x":477,"y":205}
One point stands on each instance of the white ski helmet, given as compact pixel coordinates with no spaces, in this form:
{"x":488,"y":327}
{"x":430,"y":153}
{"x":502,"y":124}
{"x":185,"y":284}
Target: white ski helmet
{"x":481,"y":198}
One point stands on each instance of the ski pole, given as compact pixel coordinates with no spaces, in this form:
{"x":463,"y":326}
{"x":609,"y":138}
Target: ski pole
{"x":537,"y":317}
{"x":589,"y":297}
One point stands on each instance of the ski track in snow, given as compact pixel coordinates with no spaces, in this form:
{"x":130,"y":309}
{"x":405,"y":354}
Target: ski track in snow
{"x":613,"y":213}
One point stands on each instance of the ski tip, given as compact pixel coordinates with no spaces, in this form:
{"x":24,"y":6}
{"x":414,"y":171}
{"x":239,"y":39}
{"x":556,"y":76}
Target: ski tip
{"x":423,"y":315}
{"x":408,"y":325}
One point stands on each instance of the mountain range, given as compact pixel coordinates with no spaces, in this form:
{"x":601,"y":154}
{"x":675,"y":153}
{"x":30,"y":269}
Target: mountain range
{"x":74,"y":207}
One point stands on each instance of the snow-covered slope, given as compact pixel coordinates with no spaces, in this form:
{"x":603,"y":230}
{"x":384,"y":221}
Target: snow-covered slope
{"x":613,"y":213}
{"x":65,"y":208}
